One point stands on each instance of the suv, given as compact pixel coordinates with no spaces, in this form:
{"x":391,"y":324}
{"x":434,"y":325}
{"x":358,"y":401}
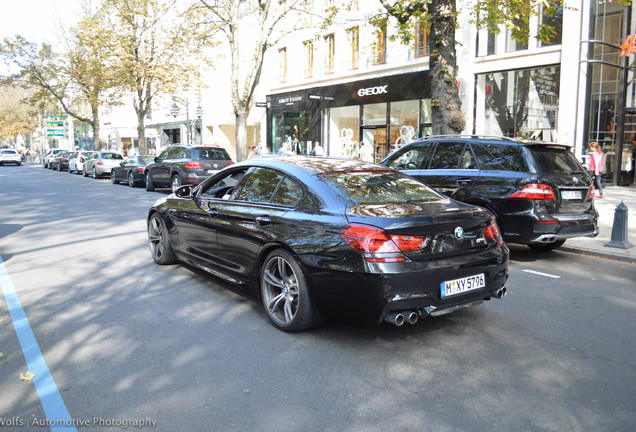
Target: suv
{"x":10,"y":156}
{"x":539,"y":192}
{"x":181,"y":164}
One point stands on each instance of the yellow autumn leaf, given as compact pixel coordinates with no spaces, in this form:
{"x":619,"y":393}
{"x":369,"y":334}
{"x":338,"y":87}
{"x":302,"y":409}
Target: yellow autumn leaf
{"x":27,"y":376}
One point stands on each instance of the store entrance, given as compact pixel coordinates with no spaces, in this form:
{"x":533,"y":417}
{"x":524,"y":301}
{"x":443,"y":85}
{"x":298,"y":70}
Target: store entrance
{"x":373,"y":145}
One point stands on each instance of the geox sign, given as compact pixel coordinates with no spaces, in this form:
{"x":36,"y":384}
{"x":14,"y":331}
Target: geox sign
{"x":373,"y":90}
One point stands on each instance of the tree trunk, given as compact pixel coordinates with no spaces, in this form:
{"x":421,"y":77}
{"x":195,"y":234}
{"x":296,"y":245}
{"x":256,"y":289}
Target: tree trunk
{"x":448,"y":117}
{"x":141,"y":133}
{"x":240,"y":135}
{"x":95,"y":126}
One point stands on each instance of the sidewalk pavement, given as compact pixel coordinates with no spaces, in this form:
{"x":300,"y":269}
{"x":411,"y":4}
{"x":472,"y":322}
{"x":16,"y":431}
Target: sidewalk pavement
{"x":613,"y":195}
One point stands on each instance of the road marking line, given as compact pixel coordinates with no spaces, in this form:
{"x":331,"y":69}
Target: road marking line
{"x":52,"y":403}
{"x":542,"y":274}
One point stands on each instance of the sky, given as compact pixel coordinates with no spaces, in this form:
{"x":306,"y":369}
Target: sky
{"x":37,"y":20}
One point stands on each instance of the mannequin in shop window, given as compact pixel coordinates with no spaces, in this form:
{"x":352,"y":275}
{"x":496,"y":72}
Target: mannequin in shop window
{"x":296,"y":141}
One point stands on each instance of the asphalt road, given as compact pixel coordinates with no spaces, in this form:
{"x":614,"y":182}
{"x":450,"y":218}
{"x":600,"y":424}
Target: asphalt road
{"x":127,"y":340}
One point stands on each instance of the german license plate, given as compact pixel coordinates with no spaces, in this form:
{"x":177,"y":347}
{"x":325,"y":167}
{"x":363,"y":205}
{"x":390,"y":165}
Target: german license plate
{"x":569,"y":195}
{"x":212,"y":171}
{"x":459,"y":286}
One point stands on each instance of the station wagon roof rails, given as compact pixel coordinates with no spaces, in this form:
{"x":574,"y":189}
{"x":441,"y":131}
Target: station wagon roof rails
{"x":498,"y":137}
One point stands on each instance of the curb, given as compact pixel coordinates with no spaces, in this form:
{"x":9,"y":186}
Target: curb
{"x":597,"y":253}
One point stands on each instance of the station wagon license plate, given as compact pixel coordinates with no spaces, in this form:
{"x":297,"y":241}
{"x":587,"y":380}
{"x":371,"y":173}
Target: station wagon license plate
{"x":569,"y":195}
{"x":459,"y":286}
{"x":212,"y":171}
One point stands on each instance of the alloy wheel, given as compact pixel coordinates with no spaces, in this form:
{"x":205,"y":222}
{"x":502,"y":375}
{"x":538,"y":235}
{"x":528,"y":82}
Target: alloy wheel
{"x":280,"y":290}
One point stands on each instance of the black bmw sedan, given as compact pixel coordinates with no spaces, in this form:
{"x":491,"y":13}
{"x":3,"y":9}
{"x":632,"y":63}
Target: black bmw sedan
{"x":318,"y":237}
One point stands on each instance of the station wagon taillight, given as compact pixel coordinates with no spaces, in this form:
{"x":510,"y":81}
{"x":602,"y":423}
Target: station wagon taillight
{"x":194,"y":165}
{"x":534,"y":191}
{"x":590,"y":193}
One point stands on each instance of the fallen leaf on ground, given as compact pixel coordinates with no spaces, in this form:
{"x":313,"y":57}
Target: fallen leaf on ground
{"x":27,"y":376}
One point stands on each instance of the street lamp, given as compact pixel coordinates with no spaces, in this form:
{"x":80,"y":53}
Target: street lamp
{"x":175,"y":112}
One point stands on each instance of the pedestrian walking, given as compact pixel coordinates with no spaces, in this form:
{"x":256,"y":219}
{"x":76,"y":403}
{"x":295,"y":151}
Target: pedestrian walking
{"x":596,"y":166}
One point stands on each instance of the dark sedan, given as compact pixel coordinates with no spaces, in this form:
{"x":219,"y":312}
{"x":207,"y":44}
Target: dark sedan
{"x":319,"y":237}
{"x":131,"y":170}
{"x":60,"y":161}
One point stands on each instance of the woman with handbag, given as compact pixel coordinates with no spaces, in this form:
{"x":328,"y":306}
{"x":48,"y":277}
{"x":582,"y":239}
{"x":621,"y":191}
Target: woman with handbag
{"x":596,"y":166}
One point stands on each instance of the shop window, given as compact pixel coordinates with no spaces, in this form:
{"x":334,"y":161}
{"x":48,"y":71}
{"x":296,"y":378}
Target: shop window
{"x":521,"y":103}
{"x":374,"y":114}
{"x":552,"y":16}
{"x":353,"y":36}
{"x":521,"y":27}
{"x":282,"y":65}
{"x":330,"y":52}
{"x":421,"y":39}
{"x":344,"y":131}
{"x":404,"y":123}
{"x":309,"y":59}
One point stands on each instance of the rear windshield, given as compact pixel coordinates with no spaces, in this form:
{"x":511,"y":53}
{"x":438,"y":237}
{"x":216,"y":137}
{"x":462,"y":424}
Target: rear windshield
{"x":210,"y":154}
{"x":9,"y":152}
{"x":556,"y":159}
{"x":372,"y":187}
{"x":112,"y":156}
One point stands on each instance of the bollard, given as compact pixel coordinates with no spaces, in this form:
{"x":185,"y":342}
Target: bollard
{"x":619,"y":229}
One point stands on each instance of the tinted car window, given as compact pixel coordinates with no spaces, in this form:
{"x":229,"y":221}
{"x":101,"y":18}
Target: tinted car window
{"x":210,"y":154}
{"x":172,"y":153}
{"x":146,"y":160}
{"x":164,"y":154}
{"x":288,"y":193}
{"x":184,"y":153}
{"x":501,"y":157}
{"x":555,"y":159}
{"x":412,"y":157}
{"x":111,"y":156}
{"x":259,"y":186}
{"x":219,"y":188}
{"x":447,"y":155}
{"x":367,"y":187}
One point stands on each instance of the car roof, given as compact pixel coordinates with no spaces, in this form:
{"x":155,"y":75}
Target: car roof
{"x":309,"y":165}
{"x":492,"y":139}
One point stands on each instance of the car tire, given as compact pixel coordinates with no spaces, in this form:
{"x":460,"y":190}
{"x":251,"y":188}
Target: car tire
{"x":160,"y":247}
{"x":176,"y":182}
{"x":546,"y":247}
{"x":150,"y":186}
{"x":285,"y":293}
{"x":113,"y":179}
{"x":84,"y":173}
{"x":131,"y":180}
{"x":95,"y":173}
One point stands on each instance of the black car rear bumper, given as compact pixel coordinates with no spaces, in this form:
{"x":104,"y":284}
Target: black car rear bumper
{"x":410,"y":286}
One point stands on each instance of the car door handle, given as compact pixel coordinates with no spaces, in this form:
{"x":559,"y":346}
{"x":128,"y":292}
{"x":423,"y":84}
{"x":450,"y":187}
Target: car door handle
{"x":262,"y":220}
{"x":463,"y":181}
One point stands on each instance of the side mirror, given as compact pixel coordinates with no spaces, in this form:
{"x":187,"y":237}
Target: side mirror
{"x":183,"y":191}
{"x":156,"y":158}
{"x":122,"y":163}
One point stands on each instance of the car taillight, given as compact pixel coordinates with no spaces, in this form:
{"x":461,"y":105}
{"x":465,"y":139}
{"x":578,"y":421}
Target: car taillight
{"x":99,"y":163}
{"x":140,"y":169}
{"x":492,"y":232}
{"x":64,"y":160}
{"x":194,"y":165}
{"x":81,"y":160}
{"x":373,"y":240}
{"x":534,"y":191}
{"x":590,"y":193}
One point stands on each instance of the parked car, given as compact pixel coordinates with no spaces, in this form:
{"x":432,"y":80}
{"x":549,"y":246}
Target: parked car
{"x":100,"y":163}
{"x":10,"y":156}
{"x":317,"y":237}
{"x":539,"y":192}
{"x":131,"y":170}
{"x":179,"y":164}
{"x":76,"y":161}
{"x":60,"y":161}
{"x":48,"y":157}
